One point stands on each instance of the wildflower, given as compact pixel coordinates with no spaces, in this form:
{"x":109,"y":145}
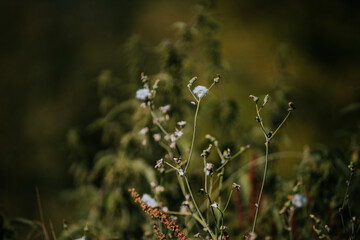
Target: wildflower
{"x":165,"y":109}
{"x":178,"y":133}
{"x":298,"y":200}
{"x":147,"y":199}
{"x":208,"y":169}
{"x":181,"y":123}
{"x":144,"y":131}
{"x":236,"y":186}
{"x":200,"y":91}
{"x":159,"y":163}
{"x":173,"y":138}
{"x":181,"y":172}
{"x":215,"y":205}
{"x":157,"y":137}
{"x":82,"y":238}
{"x":172,"y":145}
{"x":143,"y":94}
{"x":177,"y":160}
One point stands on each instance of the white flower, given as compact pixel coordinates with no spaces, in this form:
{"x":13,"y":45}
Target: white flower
{"x":208,"y":168}
{"x":181,"y":172}
{"x":82,"y":238}
{"x":178,"y":133}
{"x":200,"y":91}
{"x":165,"y":109}
{"x":181,"y":123}
{"x":144,"y":131}
{"x":149,"y":200}
{"x":157,"y":137}
{"x":215,"y":205}
{"x":143,"y":94}
{"x":159,"y":163}
{"x":173,"y":138}
{"x":298,"y":200}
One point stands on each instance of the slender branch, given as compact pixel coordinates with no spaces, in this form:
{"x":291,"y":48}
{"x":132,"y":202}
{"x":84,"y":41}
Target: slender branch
{"x":262,"y":187}
{"x":282,"y":123}
{"x":227,"y":203}
{"x":193,"y":138}
{"x":197,"y":208}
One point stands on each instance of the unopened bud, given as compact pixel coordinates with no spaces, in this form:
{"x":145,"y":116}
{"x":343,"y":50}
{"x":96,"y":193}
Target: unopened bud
{"x":254,"y":98}
{"x":291,"y":106}
{"x":191,"y":82}
{"x":217,"y":78}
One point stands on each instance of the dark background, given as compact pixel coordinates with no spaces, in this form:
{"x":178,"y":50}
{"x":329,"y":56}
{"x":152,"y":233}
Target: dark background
{"x":52,"y":52}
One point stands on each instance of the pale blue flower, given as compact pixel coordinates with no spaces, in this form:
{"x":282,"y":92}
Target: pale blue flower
{"x":143,"y":93}
{"x":149,"y":200}
{"x":200,"y":91}
{"x":298,"y":200}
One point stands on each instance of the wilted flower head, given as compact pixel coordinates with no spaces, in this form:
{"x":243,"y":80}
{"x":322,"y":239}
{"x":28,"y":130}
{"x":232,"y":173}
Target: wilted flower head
{"x":149,"y":200}
{"x":298,"y":200}
{"x":200,"y":91}
{"x":143,"y":93}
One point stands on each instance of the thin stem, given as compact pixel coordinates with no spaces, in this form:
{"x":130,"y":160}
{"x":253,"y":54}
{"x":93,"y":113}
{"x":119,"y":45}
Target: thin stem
{"x":346,"y":197}
{"x":213,"y":212}
{"x":170,"y":165}
{"x":193,"y":138}
{"x":197,"y":100}
{"x":262,"y":186}
{"x":197,"y":208}
{"x":222,"y":222}
{"x":227,"y":203}
{"x":46,"y":235}
{"x":157,"y":123}
{"x":282,"y":123}
{"x":179,"y":213}
{"x":260,"y":120}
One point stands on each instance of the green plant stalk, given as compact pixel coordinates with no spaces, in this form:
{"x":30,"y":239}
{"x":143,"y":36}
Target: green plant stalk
{"x":262,"y":186}
{"x":193,"y":138}
{"x":282,"y":123}
{"x":227,"y":203}
{"x":222,"y":222}
{"x":197,"y":208}
{"x":346,"y":196}
{"x":213,"y":212}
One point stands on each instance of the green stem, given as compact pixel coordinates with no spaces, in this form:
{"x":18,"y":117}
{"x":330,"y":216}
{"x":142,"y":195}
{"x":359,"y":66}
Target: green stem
{"x":197,"y":208}
{"x":227,"y":203}
{"x":282,"y":123}
{"x":262,"y":186}
{"x":193,"y":138}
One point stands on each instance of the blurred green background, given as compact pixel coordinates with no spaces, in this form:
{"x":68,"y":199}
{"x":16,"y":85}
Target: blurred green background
{"x":53,"y":51}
